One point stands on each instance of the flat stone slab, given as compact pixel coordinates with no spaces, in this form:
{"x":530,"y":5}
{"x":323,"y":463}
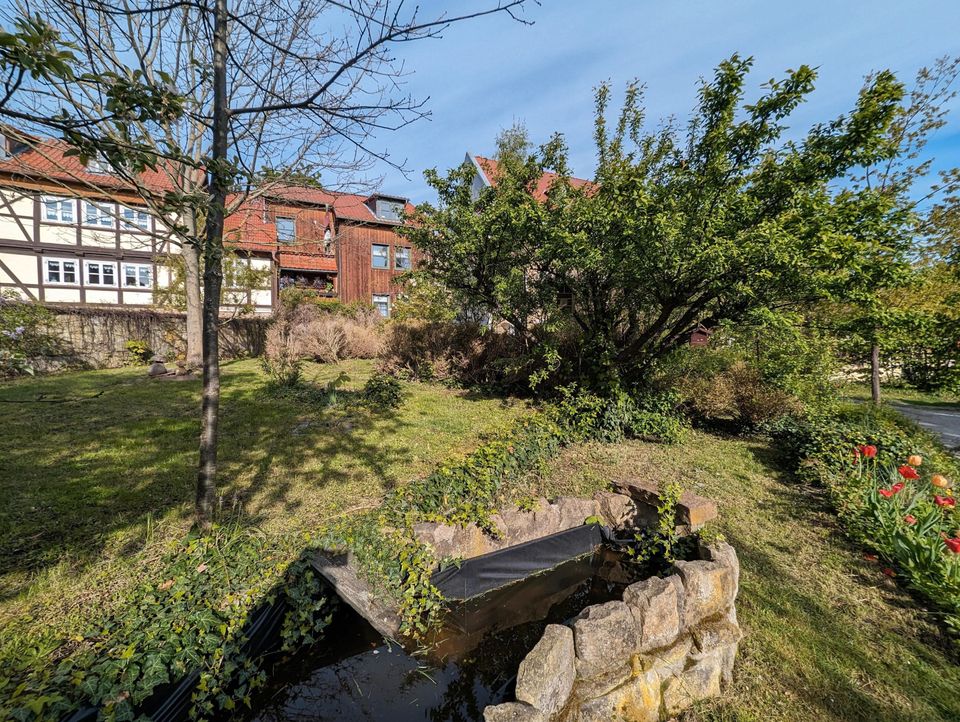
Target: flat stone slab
{"x":693,"y":510}
{"x":355,"y":591}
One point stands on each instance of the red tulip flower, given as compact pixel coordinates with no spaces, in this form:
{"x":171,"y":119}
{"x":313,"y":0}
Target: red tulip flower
{"x":945,"y":501}
{"x":886,"y":493}
{"x":868,"y":450}
{"x":897,"y":487}
{"x":953,"y":545}
{"x":908,"y":472}
{"x":910,"y":519}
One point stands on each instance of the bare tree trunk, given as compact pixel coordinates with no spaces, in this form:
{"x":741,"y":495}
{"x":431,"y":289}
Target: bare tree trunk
{"x":191,"y":282}
{"x":875,"y":372}
{"x":213,"y":273}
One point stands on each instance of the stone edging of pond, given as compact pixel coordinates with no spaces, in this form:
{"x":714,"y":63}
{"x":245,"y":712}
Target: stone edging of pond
{"x":670,"y":642}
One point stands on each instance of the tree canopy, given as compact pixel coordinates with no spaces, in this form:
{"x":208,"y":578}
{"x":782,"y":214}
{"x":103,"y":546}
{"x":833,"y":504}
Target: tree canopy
{"x":685,"y":225}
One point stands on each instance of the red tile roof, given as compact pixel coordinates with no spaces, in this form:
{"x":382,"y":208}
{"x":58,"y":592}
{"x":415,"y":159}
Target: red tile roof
{"x":305,"y":262}
{"x":247,"y":226}
{"x":48,"y":159}
{"x":348,"y":206}
{"x":489,"y":168}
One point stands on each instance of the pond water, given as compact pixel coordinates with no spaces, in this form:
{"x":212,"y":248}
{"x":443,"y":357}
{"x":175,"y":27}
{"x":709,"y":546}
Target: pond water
{"x":353,"y":674}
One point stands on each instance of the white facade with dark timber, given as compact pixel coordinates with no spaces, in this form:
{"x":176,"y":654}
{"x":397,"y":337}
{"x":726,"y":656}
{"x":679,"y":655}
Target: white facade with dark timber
{"x":61,"y":249}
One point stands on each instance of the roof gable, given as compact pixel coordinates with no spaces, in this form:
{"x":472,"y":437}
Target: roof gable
{"x":488,"y":168}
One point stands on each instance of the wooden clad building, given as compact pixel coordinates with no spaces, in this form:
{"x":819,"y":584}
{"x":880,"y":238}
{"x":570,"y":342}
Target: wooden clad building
{"x":75,"y":234}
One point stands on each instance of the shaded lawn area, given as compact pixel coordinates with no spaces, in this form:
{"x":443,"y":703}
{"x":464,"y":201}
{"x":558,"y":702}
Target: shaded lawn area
{"x":828,"y":637}
{"x":97,"y":468}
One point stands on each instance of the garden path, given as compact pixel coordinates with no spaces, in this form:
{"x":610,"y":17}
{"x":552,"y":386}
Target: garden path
{"x":942,"y":419}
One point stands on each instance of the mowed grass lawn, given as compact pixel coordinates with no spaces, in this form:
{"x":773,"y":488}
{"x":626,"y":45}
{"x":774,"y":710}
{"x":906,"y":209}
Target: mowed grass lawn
{"x":828,"y":636}
{"x":97,"y":469}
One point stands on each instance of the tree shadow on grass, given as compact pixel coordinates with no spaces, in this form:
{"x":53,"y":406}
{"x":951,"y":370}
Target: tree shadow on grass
{"x":832,"y":663}
{"x":81,"y":478}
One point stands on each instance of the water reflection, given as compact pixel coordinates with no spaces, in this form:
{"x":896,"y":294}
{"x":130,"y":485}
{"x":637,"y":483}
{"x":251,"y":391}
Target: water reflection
{"x":472,"y":662}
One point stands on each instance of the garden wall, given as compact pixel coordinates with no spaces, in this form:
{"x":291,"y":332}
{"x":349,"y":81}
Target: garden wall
{"x":670,"y":642}
{"x":97,"y":337}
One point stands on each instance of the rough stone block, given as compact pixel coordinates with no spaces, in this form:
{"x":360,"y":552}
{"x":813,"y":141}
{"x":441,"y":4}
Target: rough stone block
{"x":447,"y":540}
{"x":668,"y":661}
{"x":517,"y":526}
{"x":547,"y":673}
{"x":574,"y":511}
{"x":699,"y":681}
{"x":616,"y":510}
{"x":709,"y":590}
{"x":605,"y":637}
{"x":692,"y":510}
{"x":723,"y":553}
{"x":716,"y":633}
{"x":636,"y":701}
{"x":655,"y":604}
{"x":512,"y":712}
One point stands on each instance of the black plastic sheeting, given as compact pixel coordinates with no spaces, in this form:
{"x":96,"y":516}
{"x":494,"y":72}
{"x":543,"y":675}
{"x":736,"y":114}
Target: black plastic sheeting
{"x":171,"y":702}
{"x":490,"y":571}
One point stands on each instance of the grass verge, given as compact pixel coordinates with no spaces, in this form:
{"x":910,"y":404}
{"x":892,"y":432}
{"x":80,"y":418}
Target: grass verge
{"x":828,"y":637}
{"x":97,"y":468}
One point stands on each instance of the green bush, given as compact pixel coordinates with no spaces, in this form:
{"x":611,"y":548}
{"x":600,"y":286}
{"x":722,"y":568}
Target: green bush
{"x":139,"y":351}
{"x":26,"y":333}
{"x":382,"y":392}
{"x":190,"y":617}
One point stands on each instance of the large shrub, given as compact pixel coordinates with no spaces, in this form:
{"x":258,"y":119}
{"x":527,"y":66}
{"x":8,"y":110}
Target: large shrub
{"x":451,"y":352}
{"x":26,"y":334}
{"x":322,"y":332}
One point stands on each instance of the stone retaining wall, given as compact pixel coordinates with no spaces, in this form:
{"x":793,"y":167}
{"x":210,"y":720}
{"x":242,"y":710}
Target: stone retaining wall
{"x":633,"y":506}
{"x":670,"y":642}
{"x":97,"y":337}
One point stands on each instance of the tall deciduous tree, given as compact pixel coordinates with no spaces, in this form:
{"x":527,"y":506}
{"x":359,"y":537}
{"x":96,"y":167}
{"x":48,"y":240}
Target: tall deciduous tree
{"x":301,"y":85}
{"x":682,"y":226}
{"x":884,"y":210}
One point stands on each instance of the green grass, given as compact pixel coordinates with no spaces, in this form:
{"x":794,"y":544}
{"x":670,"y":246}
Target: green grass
{"x":828,"y":637}
{"x":901,"y":394}
{"x":97,"y":470}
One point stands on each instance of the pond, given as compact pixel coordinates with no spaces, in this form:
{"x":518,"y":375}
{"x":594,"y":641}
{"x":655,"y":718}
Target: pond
{"x":471,"y":661}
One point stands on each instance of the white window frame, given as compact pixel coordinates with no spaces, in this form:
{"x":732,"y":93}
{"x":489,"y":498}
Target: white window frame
{"x":374,"y":256}
{"x":138,"y":269}
{"x":383,"y":298}
{"x":100,"y":266}
{"x":394,"y":209}
{"x":59,"y":203}
{"x":293,"y":229}
{"x":402,"y":252}
{"x":104,"y":211}
{"x":135,"y":217}
{"x":61,"y":271}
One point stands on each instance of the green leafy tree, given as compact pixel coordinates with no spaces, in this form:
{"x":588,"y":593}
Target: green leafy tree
{"x":697,"y":224}
{"x":881,"y":211}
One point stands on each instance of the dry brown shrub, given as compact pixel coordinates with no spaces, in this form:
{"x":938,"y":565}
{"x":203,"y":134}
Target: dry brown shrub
{"x":443,"y":351}
{"x":309,"y":331}
{"x":737,"y":393}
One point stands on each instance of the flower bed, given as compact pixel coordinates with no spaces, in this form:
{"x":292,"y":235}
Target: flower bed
{"x":892,"y":486}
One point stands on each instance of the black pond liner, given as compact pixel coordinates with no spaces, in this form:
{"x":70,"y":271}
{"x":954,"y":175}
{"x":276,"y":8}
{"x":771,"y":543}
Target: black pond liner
{"x":487,"y":572}
{"x":171,"y":702}
{"x":353,"y":674}
{"x":500,"y":604}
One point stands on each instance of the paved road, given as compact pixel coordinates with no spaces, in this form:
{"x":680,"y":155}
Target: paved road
{"x":944,"y":421}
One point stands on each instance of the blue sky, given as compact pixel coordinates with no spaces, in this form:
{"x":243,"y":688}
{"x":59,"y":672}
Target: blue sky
{"x":484,"y":74}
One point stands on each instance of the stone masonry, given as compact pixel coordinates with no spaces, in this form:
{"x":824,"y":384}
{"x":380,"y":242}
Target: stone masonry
{"x":668,"y":643}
